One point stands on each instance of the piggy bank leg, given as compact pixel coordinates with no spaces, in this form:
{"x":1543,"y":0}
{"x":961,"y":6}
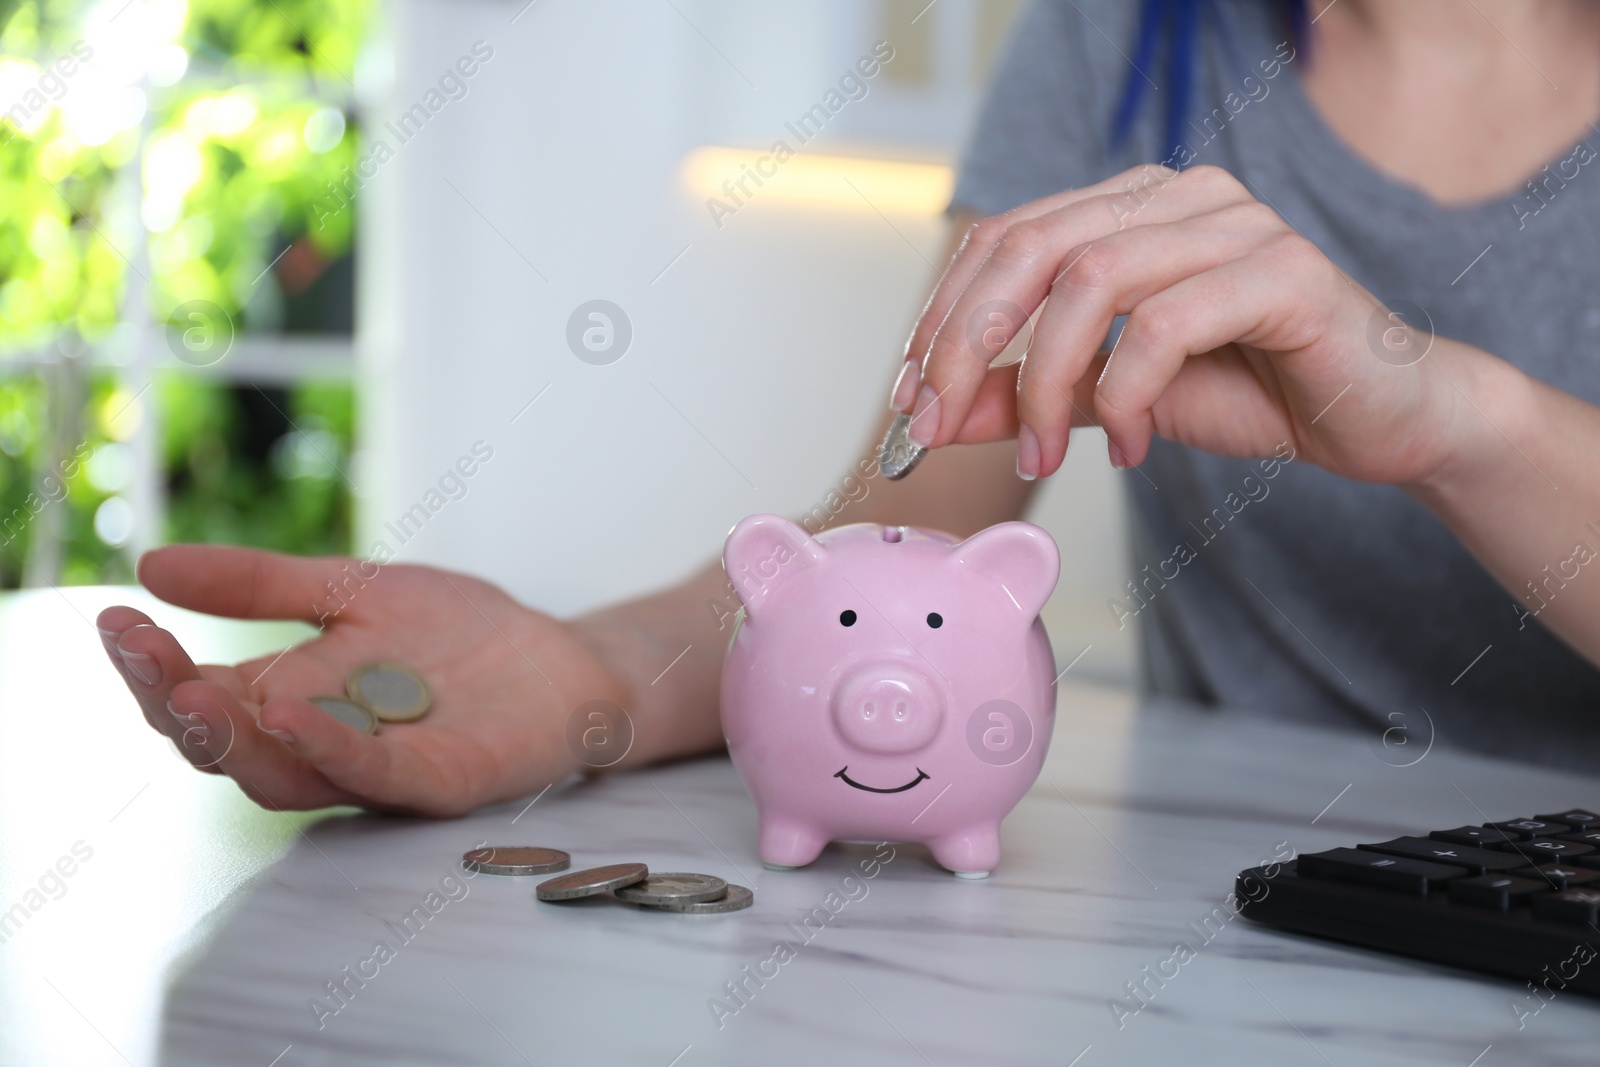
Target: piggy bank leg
{"x":786,"y":844}
{"x":970,"y":853}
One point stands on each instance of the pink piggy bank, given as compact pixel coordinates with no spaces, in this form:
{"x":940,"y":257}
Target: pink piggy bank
{"x":888,"y":683}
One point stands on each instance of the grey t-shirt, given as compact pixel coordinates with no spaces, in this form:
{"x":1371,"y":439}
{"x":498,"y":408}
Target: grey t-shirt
{"x":1303,"y":595}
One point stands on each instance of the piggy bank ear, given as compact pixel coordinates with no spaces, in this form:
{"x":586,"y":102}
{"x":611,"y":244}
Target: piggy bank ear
{"x":763,"y":552}
{"x":1020,"y":556}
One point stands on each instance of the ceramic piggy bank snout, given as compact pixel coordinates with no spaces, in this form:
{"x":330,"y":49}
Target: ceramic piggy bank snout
{"x":888,"y":684}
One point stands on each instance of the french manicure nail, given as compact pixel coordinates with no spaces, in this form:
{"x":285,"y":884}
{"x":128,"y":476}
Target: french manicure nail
{"x":1027,"y":453}
{"x":1118,"y":460}
{"x":905,"y":386}
{"x":145,"y":668}
{"x":281,"y":735}
{"x":925,"y":419}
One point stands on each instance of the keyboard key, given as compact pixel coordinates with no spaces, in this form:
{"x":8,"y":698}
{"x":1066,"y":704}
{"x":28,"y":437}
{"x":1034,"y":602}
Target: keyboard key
{"x":1474,"y":835}
{"x":1503,"y":897}
{"x":1497,"y":891}
{"x":1377,"y":869}
{"x":1559,"y":876}
{"x":1577,"y":819}
{"x":1476,"y":860}
{"x":1578,"y":906}
{"x":1548,"y":850}
{"x":1523,"y":829}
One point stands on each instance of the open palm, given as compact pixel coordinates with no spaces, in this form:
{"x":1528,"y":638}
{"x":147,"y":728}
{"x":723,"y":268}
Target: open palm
{"x":504,"y":678}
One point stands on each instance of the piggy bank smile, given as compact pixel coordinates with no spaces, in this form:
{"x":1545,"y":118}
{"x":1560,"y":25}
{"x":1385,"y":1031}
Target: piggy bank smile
{"x":922,"y":776}
{"x":868,"y":654}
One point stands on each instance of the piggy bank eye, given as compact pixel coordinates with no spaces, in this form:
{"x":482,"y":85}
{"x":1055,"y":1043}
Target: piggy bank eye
{"x":847,"y":617}
{"x":935,"y":620}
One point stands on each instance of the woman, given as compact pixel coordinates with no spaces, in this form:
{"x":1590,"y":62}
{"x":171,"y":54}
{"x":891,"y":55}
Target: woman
{"x":1355,"y":380}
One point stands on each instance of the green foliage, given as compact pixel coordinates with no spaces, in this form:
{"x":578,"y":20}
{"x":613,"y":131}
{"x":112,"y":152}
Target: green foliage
{"x":58,"y":267}
{"x":295,"y":499}
{"x":21,"y":421}
{"x":313,"y":37}
{"x":232,"y":162}
{"x":230,"y":166}
{"x":298,"y":500}
{"x":239,"y":189}
{"x":72,"y":489}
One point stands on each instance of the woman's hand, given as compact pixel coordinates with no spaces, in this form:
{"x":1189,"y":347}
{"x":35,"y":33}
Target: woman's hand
{"x":1240,"y":336}
{"x":505,"y":680}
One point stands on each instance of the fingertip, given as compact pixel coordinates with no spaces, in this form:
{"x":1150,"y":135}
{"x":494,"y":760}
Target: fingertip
{"x":1128,"y":455}
{"x":112,"y":621}
{"x":357,"y":762}
{"x":289,"y":718}
{"x":143,"y":636}
{"x":318,"y":737}
{"x":925,"y":417}
{"x":1028,"y":458}
{"x":1051,"y":459}
{"x":905,"y":386}
{"x":152,"y":647}
{"x":152,"y":563}
{"x":207,"y":715}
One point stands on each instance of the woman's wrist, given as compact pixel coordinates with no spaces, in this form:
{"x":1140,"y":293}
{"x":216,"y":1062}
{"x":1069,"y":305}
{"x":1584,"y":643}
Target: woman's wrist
{"x":1489,"y":426}
{"x":665,"y":662}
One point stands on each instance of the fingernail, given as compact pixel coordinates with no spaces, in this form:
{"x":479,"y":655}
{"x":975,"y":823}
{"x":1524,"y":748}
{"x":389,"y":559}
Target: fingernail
{"x":1027,"y":453}
{"x":905,"y":386}
{"x":110,"y":635}
{"x":192,"y":718}
{"x":925,"y":419}
{"x":195,"y":743}
{"x":145,"y":668}
{"x":281,"y":735}
{"x":1118,"y":460}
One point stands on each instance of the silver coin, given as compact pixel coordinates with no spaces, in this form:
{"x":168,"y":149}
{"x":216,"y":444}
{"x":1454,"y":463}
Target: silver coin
{"x":592,"y":882}
{"x":348,"y":712}
{"x":393,"y":692}
{"x":737,"y":898}
{"x":898,"y":456}
{"x":516,"y":860}
{"x":674,"y":888}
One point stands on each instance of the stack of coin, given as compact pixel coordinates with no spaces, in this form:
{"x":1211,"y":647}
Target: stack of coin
{"x":379,"y":692}
{"x":690,"y":894}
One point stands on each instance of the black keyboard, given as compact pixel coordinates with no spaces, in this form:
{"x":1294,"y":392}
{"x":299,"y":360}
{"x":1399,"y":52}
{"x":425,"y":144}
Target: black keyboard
{"x":1519,"y":898}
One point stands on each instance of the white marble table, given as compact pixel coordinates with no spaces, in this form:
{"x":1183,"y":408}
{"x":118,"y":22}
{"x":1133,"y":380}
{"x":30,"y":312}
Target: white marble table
{"x":200,"y":928}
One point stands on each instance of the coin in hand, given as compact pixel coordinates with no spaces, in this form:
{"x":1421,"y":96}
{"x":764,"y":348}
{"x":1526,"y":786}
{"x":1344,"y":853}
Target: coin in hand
{"x":394,"y":693}
{"x":899,"y":455}
{"x":592,"y":882}
{"x":516,"y":860}
{"x":348,"y":712}
{"x":674,"y":888}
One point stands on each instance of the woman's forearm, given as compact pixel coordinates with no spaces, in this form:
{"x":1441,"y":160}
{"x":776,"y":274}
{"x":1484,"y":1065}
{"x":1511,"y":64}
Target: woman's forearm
{"x":1522,"y":491}
{"x":668,"y":646}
